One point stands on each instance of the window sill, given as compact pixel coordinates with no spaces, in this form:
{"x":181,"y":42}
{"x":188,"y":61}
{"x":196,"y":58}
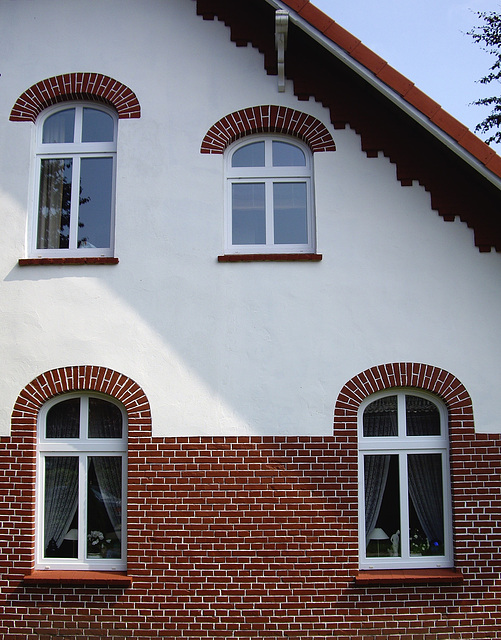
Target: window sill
{"x":29,"y":262}
{"x":271,"y":257}
{"x":98,"y":578}
{"x":397,"y":577}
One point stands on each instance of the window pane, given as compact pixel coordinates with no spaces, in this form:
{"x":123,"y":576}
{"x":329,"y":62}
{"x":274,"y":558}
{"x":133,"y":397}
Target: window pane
{"x":426,"y":504}
{"x":97,"y":126}
{"x":94,"y":217}
{"x":105,"y":419}
{"x":289,"y":213}
{"x":63,"y":420}
{"x":59,"y":127}
{"x":382,"y":505}
{"x":60,"y":507}
{"x":380,"y":418}
{"x":248,"y":214}
{"x":54,"y":204}
{"x":251,"y":155}
{"x":287,"y":155}
{"x":104,"y":507}
{"x":423,"y":417}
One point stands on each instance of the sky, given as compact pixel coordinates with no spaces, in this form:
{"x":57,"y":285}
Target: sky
{"x":427,"y":41}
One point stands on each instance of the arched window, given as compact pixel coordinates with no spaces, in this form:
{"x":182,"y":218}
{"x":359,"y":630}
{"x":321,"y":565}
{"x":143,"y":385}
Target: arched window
{"x":269,"y":206}
{"x":74,"y":181}
{"x":81,"y":475}
{"x":405,"y":495}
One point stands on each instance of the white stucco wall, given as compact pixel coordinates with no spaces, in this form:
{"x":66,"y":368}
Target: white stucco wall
{"x":235,"y":349}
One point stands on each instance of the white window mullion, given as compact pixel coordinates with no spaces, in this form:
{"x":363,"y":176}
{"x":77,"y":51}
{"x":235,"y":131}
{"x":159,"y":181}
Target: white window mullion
{"x":82,"y":507}
{"x":84,"y":417}
{"x":78,"y":124}
{"x":268,"y":153}
{"x":404,"y":506}
{"x":75,"y":198}
{"x":401,"y":415}
{"x":270,"y":214}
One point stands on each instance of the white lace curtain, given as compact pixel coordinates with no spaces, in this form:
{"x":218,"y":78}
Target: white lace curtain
{"x":61,"y":497}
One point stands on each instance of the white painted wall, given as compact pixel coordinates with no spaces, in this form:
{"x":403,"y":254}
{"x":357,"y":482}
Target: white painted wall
{"x":235,"y":349}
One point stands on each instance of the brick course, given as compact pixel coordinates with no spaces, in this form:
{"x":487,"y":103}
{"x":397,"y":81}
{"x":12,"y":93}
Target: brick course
{"x":251,"y":537}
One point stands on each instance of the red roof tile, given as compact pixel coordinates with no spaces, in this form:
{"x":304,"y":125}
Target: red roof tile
{"x":399,"y":83}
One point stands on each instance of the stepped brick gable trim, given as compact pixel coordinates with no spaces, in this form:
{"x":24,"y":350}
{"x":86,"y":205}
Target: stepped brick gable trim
{"x":75,"y":86}
{"x":263,"y":119}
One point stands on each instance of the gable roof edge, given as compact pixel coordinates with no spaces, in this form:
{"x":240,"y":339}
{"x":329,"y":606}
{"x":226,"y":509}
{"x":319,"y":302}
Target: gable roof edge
{"x":391,"y":93}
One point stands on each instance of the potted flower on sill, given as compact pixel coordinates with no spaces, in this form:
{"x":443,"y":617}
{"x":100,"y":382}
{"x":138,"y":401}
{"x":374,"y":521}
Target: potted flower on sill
{"x":97,"y":544}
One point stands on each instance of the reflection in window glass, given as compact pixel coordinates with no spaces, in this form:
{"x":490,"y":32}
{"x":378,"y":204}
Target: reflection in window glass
{"x":105,"y":419}
{"x":63,"y":420}
{"x":248,"y":213}
{"x":380,"y":418}
{"x":290,"y":215}
{"x":97,"y":126}
{"x":74,"y":200}
{"x":59,"y":128}
{"x":104,"y":507}
{"x":251,"y":155}
{"x":54,"y":204}
{"x":422,"y":416}
{"x":94,"y":214}
{"x":287,"y":155}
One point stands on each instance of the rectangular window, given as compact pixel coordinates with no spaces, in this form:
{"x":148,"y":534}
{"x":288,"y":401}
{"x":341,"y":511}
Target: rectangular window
{"x":82,"y":463}
{"x":405,"y":500}
{"x":269,"y":192}
{"x":75,"y":174}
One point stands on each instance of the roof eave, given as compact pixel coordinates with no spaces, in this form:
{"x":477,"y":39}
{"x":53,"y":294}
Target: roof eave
{"x":390,"y":93}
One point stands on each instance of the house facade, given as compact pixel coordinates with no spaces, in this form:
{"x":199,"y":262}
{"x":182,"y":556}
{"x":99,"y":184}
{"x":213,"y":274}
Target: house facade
{"x":249,"y":299}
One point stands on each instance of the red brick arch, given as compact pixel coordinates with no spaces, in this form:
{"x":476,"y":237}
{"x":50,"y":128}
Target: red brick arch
{"x":263,"y":119}
{"x":406,"y":374}
{"x":75,"y":86}
{"x":81,"y":378}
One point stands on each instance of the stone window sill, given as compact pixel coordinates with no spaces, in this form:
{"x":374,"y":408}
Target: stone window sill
{"x":98,"y":578}
{"x":29,"y":262}
{"x":397,"y":577}
{"x":271,"y":257}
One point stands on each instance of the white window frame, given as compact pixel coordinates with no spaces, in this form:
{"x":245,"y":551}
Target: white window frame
{"x":402,"y":445}
{"x":76,"y":151}
{"x":81,"y":448}
{"x":269,"y":175}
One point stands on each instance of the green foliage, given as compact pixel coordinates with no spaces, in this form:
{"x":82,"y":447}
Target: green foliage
{"x":488,"y":35}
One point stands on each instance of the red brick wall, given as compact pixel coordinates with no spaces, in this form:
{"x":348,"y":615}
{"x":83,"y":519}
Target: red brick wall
{"x":251,"y":537}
